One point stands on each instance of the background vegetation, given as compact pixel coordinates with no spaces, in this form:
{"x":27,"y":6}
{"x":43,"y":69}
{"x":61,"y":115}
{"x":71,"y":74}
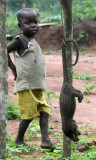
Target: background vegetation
{"x":48,"y":12}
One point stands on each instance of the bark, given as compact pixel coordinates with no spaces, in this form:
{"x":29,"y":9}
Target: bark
{"x":68,"y":33}
{"x":3,"y":81}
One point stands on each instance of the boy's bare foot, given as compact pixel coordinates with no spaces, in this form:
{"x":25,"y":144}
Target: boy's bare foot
{"x":19,"y":142}
{"x":47,"y":145}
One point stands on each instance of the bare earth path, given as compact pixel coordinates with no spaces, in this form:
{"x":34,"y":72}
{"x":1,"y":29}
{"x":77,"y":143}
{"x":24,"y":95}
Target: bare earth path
{"x":85,"y":112}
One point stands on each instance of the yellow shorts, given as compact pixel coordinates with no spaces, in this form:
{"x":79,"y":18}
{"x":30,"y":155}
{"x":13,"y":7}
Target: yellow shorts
{"x":31,"y":103}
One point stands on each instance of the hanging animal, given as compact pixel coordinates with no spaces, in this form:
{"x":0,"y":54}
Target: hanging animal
{"x":67,"y":97}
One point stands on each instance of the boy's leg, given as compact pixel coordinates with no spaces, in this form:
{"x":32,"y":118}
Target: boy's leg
{"x":46,"y":142}
{"x":22,"y":129}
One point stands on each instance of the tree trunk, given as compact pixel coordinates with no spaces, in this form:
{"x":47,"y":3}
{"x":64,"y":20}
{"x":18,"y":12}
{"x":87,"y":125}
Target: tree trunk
{"x":68,"y":32}
{"x":3,"y":81}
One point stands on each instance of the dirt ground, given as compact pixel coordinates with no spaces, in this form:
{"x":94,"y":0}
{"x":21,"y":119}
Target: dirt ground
{"x":85,"y":112}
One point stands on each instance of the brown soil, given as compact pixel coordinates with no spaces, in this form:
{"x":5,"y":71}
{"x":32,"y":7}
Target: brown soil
{"x":50,"y":38}
{"x":85,"y":112}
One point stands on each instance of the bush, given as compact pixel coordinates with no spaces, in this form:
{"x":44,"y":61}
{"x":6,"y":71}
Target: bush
{"x":84,"y":9}
{"x":13,"y":111}
{"x":12,"y":25}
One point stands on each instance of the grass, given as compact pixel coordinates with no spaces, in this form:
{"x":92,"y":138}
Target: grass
{"x":13,"y":110}
{"x":34,"y":130}
{"x":90,"y":84}
{"x":87,"y":100}
{"x":80,"y":38}
{"x":48,"y":52}
{"x":86,"y":76}
{"x":49,"y":96}
{"x":84,"y":149}
{"x":89,"y":87}
{"x":12,"y":151}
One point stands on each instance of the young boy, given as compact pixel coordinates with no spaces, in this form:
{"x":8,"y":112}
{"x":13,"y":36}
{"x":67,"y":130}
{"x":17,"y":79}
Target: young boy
{"x":29,"y":72}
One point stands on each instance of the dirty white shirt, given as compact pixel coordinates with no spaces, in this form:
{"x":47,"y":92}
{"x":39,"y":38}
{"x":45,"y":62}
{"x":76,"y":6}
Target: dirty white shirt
{"x":31,"y":69}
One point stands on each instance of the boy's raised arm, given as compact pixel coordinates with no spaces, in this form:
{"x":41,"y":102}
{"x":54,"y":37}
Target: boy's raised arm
{"x":11,"y":47}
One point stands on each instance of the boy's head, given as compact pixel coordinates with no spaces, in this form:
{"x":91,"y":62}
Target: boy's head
{"x":28,"y":21}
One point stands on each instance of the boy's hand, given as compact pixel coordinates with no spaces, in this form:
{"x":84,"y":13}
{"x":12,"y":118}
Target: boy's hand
{"x":14,"y":73}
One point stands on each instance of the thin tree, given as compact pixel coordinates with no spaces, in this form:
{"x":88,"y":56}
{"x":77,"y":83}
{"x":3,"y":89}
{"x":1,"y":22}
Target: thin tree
{"x":3,"y":81}
{"x":68,"y":33}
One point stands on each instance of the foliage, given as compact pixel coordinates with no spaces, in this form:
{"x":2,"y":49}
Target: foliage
{"x":33,"y":130}
{"x":80,"y":38}
{"x":48,"y":12}
{"x":55,"y":18}
{"x":86,"y":76}
{"x":15,"y":5}
{"x":89,"y":85}
{"x":50,"y":95}
{"x":12,"y":150}
{"x":84,"y":149}
{"x":12,"y":25}
{"x":51,"y":6}
{"x":87,"y":100}
{"x":83,"y":9}
{"x":48,"y":52}
{"x":13,"y":111}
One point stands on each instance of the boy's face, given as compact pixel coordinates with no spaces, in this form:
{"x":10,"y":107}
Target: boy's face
{"x":29,"y":24}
